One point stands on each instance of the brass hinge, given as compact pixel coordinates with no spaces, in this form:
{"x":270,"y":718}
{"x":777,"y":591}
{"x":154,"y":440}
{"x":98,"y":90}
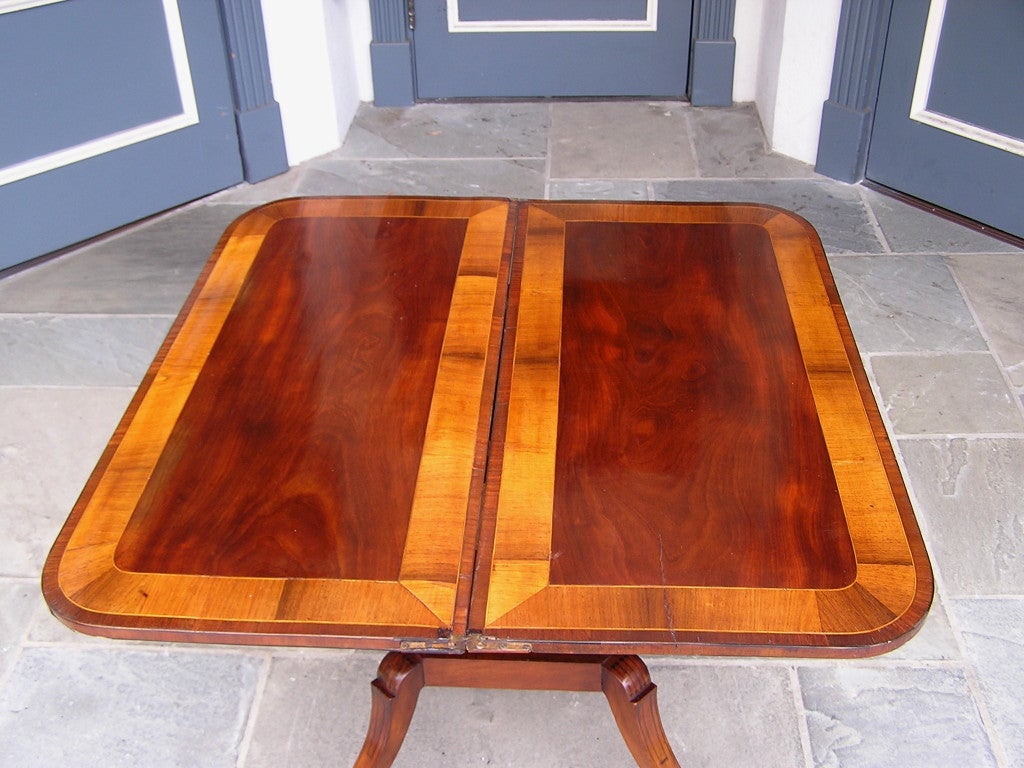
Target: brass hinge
{"x":483,"y":643}
{"x":441,"y":644}
{"x":410,"y":11}
{"x":471,"y":642}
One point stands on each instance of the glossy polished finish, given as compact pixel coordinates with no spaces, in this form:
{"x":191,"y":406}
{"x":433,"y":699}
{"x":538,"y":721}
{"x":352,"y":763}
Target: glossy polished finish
{"x":533,"y":437}
{"x":367,"y":322}
{"x":684,"y":455}
{"x":710,"y":454}
{"x":302,"y":462}
{"x":690,"y":458}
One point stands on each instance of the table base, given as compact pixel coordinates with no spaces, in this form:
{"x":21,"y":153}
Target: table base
{"x":624,"y":680}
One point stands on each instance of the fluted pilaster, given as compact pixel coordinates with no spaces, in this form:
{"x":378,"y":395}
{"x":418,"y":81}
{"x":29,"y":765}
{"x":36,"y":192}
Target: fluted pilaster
{"x":391,"y":53}
{"x":389,"y":20}
{"x":257,"y":114}
{"x":847,"y":115}
{"x":713,"y":55}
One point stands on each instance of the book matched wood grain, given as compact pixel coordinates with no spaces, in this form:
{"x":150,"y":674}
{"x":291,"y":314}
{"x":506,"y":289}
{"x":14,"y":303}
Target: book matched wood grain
{"x":481,"y":425}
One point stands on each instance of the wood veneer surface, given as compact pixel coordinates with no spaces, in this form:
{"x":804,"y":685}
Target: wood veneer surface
{"x":686,"y":453}
{"x":696,"y":456}
{"x":303,"y":460}
{"x":678,"y":453}
{"x":311,"y":409}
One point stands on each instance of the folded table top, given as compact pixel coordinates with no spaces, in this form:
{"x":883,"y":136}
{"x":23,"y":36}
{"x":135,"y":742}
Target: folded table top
{"x":490,"y":425}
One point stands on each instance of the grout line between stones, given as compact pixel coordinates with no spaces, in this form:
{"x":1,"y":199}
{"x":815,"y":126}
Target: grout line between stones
{"x":16,"y":651}
{"x":801,"y":717}
{"x":932,"y":353}
{"x":547,"y":153}
{"x":1018,"y":403}
{"x":1003,"y":368}
{"x":127,"y":387}
{"x":882,"y":239}
{"x":249,"y":731}
{"x":693,"y":144}
{"x":881,"y":661}
{"x":90,"y":315}
{"x":958,"y":436}
{"x":975,"y":690}
{"x":422,"y":159}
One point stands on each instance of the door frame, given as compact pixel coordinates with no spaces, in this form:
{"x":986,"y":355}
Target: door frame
{"x":847,"y":117}
{"x":712,"y":52}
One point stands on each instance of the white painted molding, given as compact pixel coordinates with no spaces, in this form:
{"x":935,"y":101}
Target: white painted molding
{"x":10,"y":6}
{"x":300,"y":69}
{"x":919,"y":111}
{"x":120,"y":139}
{"x":648,"y":24}
{"x":794,"y":71}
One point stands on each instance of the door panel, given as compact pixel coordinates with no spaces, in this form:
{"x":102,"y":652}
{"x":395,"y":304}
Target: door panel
{"x":986,"y":38}
{"x":949,"y":123}
{"x":113,"y":111}
{"x":121,"y":78}
{"x":484,"y":48}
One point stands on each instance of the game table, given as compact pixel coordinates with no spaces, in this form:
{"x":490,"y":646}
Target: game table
{"x":513,"y":444}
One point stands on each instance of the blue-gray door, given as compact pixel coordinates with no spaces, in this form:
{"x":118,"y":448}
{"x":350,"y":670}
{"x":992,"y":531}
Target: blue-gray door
{"x":110,"y":110}
{"x":497,"y":48}
{"x":949,"y":123}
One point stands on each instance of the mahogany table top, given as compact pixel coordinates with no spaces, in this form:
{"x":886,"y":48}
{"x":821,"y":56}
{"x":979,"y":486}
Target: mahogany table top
{"x":475,"y":424}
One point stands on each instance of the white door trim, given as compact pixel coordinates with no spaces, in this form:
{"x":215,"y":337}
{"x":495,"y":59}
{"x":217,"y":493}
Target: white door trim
{"x":189,"y":115}
{"x":10,"y":6}
{"x":919,"y":111}
{"x":648,"y":24}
